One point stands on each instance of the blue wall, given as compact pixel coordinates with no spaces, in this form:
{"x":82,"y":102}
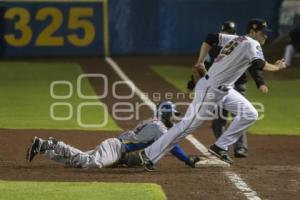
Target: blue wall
{"x":135,"y":26}
{"x":179,"y":26}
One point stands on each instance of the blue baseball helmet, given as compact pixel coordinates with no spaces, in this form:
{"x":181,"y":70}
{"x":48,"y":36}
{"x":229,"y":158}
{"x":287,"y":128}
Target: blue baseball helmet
{"x":165,"y":110}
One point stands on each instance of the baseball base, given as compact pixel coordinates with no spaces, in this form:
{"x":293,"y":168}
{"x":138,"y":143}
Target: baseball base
{"x":211,"y":161}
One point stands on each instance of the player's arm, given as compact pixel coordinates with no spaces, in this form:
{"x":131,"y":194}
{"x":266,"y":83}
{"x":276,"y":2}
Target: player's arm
{"x":179,"y":153}
{"x":278,"y":65}
{"x":199,"y":69}
{"x":205,"y":47}
{"x":129,"y":147}
{"x":256,"y":71}
{"x":210,"y":40}
{"x":257,"y":59}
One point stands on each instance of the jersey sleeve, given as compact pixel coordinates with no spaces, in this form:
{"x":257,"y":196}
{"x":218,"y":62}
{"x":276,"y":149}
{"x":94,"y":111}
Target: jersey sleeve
{"x":160,"y":131}
{"x":149,"y":133}
{"x":212,"y":39}
{"x":255,"y":51}
{"x":225,"y":38}
{"x":257,"y":74}
{"x":179,"y":153}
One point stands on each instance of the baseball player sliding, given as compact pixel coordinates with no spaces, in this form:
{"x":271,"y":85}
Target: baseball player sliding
{"x":113,"y":151}
{"x":216,"y":88}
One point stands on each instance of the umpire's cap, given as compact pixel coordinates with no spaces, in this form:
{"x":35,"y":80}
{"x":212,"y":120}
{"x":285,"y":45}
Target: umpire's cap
{"x":229,"y":27}
{"x":257,"y":24}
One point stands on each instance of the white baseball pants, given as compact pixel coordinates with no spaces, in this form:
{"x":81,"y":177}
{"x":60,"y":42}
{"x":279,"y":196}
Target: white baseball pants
{"x":207,"y":98}
{"x":288,"y":54}
{"x":104,"y":155}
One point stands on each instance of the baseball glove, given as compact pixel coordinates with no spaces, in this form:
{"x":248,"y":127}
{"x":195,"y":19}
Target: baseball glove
{"x":191,"y":84}
{"x":131,"y":159}
{"x":198,"y":72}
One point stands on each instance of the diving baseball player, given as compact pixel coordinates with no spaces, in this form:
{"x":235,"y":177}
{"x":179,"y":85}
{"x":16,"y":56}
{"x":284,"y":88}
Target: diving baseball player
{"x":216,"y":88}
{"x":113,"y":150}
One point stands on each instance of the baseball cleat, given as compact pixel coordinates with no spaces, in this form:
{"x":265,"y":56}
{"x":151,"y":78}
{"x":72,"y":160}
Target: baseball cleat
{"x":148,"y":165}
{"x":241,"y":153}
{"x":34,"y":148}
{"x":220,"y":153}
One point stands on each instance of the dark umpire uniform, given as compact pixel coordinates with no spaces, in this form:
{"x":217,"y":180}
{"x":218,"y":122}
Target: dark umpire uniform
{"x":293,"y":45}
{"x":218,"y":125}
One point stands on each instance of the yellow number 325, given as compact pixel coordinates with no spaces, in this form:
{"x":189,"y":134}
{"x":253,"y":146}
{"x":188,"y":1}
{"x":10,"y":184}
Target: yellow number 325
{"x":77,"y":20}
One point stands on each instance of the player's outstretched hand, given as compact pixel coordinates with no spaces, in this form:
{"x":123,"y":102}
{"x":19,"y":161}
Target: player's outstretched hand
{"x":192,"y":161}
{"x":280,"y":64}
{"x":264,"y":89}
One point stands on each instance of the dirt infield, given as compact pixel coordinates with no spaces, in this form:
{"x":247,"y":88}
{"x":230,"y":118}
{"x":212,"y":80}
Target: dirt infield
{"x":272,"y":169}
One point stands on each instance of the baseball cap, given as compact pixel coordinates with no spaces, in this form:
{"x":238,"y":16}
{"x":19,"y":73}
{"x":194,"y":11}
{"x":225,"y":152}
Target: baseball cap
{"x":258,"y":25}
{"x":229,"y":27}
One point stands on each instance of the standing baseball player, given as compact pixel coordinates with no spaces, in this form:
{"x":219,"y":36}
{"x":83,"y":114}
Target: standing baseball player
{"x":216,"y":88}
{"x":219,"y":124}
{"x":113,"y":150}
{"x":293,"y":45}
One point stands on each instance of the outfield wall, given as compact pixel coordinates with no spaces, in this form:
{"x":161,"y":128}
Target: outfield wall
{"x":130,"y":27}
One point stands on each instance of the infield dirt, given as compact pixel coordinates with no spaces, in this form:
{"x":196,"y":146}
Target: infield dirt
{"x":272,"y":168}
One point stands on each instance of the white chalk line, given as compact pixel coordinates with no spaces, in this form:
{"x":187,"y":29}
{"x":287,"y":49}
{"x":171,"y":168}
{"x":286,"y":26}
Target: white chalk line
{"x":233,"y":177}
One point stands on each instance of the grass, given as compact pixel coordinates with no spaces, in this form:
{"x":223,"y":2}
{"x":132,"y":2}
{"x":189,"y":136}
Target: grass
{"x":175,"y":75}
{"x":26,"y":101}
{"x":12,"y":190}
{"x":281,"y":115}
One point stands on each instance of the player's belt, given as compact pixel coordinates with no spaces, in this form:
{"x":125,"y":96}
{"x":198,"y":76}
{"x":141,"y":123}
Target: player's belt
{"x":221,"y":87}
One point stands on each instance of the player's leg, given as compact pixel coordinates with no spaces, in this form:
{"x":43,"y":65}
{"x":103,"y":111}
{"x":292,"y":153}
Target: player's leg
{"x":75,"y":157}
{"x":56,"y":150}
{"x":50,"y":154}
{"x":108,"y":152}
{"x":288,"y":54}
{"x":201,"y":107}
{"x":245,"y":115}
{"x":219,"y":124}
{"x":104,"y":155}
{"x":241,"y":146}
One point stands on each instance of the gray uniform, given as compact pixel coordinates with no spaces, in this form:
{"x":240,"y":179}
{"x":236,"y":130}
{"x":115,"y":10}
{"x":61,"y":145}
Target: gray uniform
{"x":110,"y":150}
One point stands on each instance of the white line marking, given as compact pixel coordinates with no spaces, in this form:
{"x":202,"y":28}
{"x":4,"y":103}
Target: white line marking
{"x":233,"y":177}
{"x":198,"y":145}
{"x":131,"y":85}
{"x":241,"y":185}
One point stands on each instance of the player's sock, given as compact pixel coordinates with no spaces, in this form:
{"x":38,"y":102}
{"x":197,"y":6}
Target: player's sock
{"x":48,"y":145}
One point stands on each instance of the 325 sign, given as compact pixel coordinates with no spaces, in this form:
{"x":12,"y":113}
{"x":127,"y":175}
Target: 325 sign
{"x":59,"y":28}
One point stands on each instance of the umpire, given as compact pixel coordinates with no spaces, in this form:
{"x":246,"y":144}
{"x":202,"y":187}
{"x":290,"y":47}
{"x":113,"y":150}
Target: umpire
{"x":219,"y":124}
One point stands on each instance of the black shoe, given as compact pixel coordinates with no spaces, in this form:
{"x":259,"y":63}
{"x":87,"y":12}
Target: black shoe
{"x":241,"y":153}
{"x":220,"y":153}
{"x":34,"y":148}
{"x":148,"y":165}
